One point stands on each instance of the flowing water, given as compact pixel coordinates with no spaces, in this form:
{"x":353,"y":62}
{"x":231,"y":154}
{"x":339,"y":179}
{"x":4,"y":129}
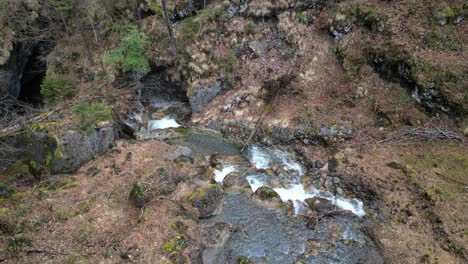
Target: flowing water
{"x":270,"y":235}
{"x":261,"y":233}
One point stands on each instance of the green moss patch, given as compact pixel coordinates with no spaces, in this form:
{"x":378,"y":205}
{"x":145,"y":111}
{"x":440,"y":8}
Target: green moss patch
{"x":176,"y":244}
{"x":91,"y":114}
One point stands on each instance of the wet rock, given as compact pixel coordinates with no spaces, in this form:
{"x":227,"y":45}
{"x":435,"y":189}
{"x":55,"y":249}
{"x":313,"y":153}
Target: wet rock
{"x":319,"y":205}
{"x":92,"y":171}
{"x":265,"y":193}
{"x":235,"y":180}
{"x":207,"y":199}
{"x":156,"y":184}
{"x":319,"y":164}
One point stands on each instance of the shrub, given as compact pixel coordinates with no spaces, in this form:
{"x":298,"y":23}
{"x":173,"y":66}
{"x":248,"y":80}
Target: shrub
{"x":91,"y":114}
{"x":129,"y":57}
{"x":58,"y":88}
{"x":249,"y":28}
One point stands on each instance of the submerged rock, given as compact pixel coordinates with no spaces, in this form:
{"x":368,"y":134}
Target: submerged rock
{"x":207,"y":199}
{"x":156,"y":184}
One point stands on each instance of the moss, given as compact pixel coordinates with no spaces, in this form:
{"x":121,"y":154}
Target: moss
{"x":92,"y":114}
{"x":206,"y":21}
{"x":137,"y":197}
{"x":18,"y":243}
{"x":433,"y":193}
{"x":249,"y":28}
{"x":58,"y":88}
{"x":445,"y":13}
{"x":6,"y":190}
{"x":179,"y":226}
{"x":440,"y":87}
{"x":266,"y":193}
{"x":76,"y":258}
{"x":85,"y":234}
{"x":242,"y":260}
{"x":176,"y":244}
{"x":200,"y":192}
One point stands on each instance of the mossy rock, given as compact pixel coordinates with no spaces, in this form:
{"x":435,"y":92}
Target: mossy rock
{"x":206,"y":199}
{"x":243,"y":260}
{"x":156,"y":184}
{"x":265,"y":193}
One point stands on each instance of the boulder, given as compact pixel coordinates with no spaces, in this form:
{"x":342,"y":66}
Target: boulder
{"x":200,"y":97}
{"x":319,"y":205}
{"x":235,"y":180}
{"x":267,"y":194}
{"x":78,"y":148}
{"x":147,"y":188}
{"x":207,"y":199}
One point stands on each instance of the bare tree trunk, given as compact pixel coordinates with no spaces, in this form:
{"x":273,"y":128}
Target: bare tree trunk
{"x":169,"y":30}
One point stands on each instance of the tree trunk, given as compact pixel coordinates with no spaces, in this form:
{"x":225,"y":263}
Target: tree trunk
{"x":169,"y":30}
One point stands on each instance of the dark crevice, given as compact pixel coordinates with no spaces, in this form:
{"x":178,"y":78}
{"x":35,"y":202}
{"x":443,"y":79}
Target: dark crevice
{"x":32,"y":77}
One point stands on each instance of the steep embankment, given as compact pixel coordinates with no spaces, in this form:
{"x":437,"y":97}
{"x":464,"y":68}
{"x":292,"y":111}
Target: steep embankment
{"x":368,"y":96}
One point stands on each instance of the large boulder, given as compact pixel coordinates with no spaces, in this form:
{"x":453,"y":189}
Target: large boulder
{"x":78,"y":148}
{"x":151,"y":186}
{"x":200,"y":97}
{"x":207,"y":199}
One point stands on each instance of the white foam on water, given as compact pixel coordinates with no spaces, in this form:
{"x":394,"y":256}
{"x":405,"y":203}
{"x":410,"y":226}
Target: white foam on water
{"x":163,"y":123}
{"x":295,"y":192}
{"x":354,"y":205}
{"x":261,"y":157}
{"x":221,"y":174}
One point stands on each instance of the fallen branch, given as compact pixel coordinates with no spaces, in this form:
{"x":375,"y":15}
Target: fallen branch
{"x":313,"y":220}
